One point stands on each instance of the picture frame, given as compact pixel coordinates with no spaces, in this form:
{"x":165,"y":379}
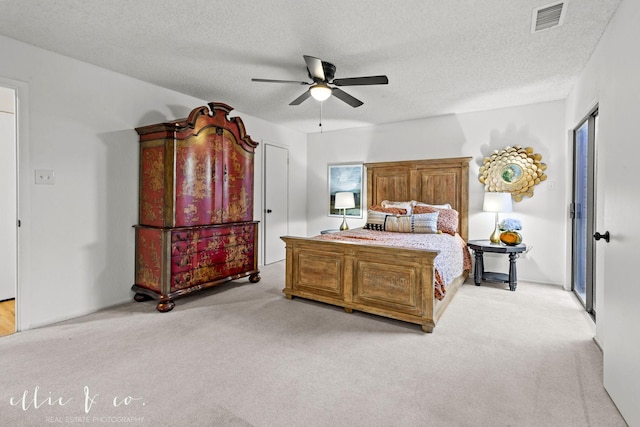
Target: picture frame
{"x":345,"y":177}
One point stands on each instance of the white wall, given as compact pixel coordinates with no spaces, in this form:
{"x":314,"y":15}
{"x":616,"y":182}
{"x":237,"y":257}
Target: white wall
{"x":611,"y":79}
{"x":541,"y":126}
{"x":77,"y":240}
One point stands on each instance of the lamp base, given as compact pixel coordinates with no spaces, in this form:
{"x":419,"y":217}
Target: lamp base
{"x":344,"y":225}
{"x":495,"y":236}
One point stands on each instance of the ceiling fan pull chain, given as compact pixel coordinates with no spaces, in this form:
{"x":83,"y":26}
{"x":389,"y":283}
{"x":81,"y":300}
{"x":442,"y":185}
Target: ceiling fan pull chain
{"x":320,"y":124}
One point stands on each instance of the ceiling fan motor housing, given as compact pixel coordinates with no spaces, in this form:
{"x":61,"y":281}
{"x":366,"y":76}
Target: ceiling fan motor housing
{"x":329,"y":72}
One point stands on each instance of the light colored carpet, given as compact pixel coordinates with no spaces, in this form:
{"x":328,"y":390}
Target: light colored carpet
{"x":241,"y":354}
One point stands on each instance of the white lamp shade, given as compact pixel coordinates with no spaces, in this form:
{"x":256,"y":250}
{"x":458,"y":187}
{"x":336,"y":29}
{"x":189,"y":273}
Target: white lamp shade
{"x":320,"y":91}
{"x":497,"y":202}
{"x":344,"y":200}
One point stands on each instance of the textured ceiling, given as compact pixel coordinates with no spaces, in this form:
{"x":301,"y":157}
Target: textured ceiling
{"x":441,"y":57}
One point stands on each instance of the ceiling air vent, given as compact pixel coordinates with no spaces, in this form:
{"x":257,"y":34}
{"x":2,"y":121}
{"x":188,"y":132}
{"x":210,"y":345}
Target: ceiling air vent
{"x":549,"y":16}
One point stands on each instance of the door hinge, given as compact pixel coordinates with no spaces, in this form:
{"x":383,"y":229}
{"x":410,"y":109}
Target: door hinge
{"x":19,"y":223}
{"x":572,"y":210}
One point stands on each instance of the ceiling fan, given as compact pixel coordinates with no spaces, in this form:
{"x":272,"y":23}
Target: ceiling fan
{"x":322,"y":74}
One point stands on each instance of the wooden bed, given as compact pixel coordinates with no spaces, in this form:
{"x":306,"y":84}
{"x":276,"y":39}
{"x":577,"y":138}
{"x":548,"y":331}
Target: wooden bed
{"x":393,"y":282}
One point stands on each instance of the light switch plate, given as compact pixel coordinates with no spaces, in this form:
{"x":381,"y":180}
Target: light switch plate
{"x":45,"y":177}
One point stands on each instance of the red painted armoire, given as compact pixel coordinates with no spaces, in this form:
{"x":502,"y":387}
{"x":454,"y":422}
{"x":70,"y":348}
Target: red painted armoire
{"x":196,"y":226}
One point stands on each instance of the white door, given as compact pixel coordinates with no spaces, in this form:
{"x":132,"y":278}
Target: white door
{"x":276,"y":201}
{"x":618,"y":154}
{"x":8,"y":189}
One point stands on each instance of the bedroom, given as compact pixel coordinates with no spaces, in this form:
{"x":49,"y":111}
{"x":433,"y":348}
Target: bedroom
{"x":80,"y":124}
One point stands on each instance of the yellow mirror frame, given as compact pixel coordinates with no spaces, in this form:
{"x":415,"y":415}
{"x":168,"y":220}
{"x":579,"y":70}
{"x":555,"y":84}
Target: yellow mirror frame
{"x":514,"y":170}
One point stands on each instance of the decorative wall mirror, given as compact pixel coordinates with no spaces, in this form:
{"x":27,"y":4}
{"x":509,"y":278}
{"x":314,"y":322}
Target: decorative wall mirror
{"x":514,"y":170}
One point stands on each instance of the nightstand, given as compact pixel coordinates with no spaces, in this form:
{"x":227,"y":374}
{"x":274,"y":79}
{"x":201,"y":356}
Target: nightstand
{"x":479,"y":247}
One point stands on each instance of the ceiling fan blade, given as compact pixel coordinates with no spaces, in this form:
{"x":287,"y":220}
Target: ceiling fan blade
{"x":301,"y":98}
{"x":344,"y":96}
{"x":314,"y":65}
{"x":359,"y":81}
{"x":280,"y":81}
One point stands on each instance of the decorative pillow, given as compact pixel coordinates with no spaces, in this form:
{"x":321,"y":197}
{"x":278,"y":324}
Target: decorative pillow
{"x":420,"y":209}
{"x":375,"y":220}
{"x":447,"y":218}
{"x":392,"y":211}
{"x":402,"y":205}
{"x":425,"y":223}
{"x":399,"y":224}
{"x":420,"y":223}
{"x":442,"y":206}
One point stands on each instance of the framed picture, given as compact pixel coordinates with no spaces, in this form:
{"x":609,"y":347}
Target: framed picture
{"x":345,"y":177}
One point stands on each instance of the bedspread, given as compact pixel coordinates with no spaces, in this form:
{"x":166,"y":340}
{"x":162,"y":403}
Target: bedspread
{"x":453,"y":255}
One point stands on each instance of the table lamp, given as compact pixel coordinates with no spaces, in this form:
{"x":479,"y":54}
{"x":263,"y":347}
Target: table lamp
{"x":344,"y":200}
{"x":497,"y":202}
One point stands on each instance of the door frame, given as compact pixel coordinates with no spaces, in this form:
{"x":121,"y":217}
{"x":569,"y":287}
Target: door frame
{"x":590,"y":273}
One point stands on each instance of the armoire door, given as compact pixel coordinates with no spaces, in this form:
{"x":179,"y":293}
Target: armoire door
{"x":236,"y":179}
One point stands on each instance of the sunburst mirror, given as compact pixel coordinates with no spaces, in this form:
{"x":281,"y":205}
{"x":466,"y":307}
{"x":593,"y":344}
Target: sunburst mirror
{"x":514,"y":170}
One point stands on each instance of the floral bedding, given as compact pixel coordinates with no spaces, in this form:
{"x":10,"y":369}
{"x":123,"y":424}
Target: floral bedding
{"x":452,"y":260}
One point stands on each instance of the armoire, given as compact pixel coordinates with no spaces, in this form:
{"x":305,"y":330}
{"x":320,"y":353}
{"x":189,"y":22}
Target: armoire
{"x":196,"y":227}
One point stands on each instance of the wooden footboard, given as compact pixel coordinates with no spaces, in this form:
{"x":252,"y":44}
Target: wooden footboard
{"x":392,"y":282}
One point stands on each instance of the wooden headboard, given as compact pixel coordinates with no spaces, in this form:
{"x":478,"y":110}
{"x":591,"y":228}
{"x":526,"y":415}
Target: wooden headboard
{"x":433,"y":181}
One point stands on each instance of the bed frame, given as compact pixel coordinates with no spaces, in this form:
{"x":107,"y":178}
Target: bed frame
{"x":396,"y":283}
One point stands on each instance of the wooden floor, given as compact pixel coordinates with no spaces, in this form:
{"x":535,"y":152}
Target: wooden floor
{"x":7,"y":317}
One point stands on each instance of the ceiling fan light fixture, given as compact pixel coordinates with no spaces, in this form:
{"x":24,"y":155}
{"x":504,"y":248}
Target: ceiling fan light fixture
{"x":320,"y":92}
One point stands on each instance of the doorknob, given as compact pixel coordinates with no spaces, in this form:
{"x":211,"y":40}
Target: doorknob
{"x":604,"y":236}
{"x":269,"y":211}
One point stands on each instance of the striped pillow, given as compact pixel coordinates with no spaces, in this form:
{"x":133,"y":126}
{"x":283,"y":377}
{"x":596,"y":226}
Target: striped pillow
{"x":424,"y":223}
{"x":375,"y":220}
{"x":399,"y":224}
{"x":447,"y":218}
{"x":419,"y":223}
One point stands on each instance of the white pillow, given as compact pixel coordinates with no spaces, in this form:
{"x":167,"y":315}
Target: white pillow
{"x":443,"y":206}
{"x":401,"y":205}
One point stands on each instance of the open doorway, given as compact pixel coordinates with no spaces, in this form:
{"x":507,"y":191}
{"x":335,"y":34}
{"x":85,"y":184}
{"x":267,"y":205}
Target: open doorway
{"x":8,"y":213}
